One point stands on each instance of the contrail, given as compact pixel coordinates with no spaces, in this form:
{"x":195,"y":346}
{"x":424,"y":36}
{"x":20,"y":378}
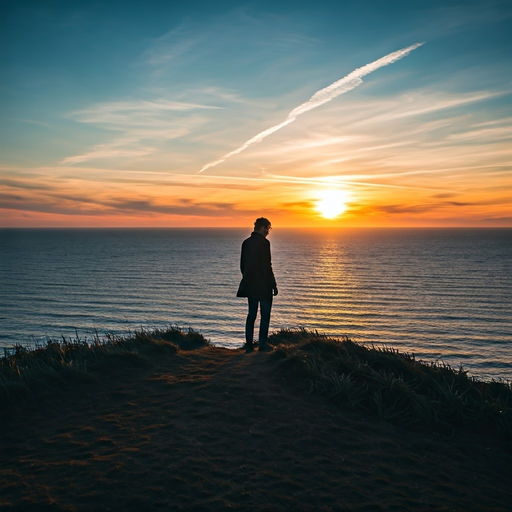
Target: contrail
{"x":345,"y":84}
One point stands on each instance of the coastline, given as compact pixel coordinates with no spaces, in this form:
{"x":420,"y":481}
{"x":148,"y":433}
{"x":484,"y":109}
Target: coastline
{"x":186,"y":426}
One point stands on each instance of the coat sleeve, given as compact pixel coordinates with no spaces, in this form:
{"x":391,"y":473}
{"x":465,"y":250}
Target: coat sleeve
{"x":271,"y":272}
{"x":242,"y":259}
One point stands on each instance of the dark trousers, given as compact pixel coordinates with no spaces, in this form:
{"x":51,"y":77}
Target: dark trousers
{"x":265,"y":308}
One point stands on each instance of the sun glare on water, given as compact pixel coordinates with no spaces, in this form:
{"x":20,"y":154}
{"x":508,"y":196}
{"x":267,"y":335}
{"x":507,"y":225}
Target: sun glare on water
{"x":331,"y":203}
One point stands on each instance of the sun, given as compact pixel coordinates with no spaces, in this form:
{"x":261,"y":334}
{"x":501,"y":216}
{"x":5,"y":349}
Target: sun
{"x":331,"y":203}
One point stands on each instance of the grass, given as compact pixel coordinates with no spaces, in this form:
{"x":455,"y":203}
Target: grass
{"x":379,"y":380}
{"x":70,"y":360}
{"x":393,"y":385}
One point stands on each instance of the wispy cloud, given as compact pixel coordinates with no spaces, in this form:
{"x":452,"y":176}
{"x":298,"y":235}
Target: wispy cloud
{"x":156,"y":120}
{"x":117,"y":149}
{"x":489,"y":134}
{"x":345,"y":84}
{"x":433,"y":132}
{"x":431,"y":206}
{"x":172,"y":46}
{"x":90,"y":204}
{"x":138,"y":112}
{"x":37,"y":123}
{"x":426,"y":104}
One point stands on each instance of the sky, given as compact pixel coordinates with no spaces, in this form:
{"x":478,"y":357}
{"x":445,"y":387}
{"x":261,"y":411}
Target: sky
{"x":210,"y":114}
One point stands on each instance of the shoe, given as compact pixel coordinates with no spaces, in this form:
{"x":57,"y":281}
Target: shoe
{"x":249,"y":347}
{"x":265,"y":348}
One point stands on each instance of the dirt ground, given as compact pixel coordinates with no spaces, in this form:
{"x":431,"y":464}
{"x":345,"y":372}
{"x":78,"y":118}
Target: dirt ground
{"x":216,"y":429}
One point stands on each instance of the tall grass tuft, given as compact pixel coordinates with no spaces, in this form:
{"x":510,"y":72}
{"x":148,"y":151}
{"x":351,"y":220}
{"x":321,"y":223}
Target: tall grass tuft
{"x":62,"y":362}
{"x":394,"y":385}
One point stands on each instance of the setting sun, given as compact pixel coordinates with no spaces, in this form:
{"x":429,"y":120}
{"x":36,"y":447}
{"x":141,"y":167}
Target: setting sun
{"x":332,"y":203}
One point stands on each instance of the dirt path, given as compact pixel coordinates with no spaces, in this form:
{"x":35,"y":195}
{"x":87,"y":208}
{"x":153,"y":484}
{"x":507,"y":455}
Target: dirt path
{"x":213,"y":429}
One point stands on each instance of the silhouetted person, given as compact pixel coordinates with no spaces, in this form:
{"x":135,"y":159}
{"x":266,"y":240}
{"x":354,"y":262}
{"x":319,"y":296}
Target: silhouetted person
{"x":258,"y":282}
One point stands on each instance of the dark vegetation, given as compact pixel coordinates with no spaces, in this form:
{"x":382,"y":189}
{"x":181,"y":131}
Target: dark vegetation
{"x":393,"y":385}
{"x":73,"y":360}
{"x":378,"y":380}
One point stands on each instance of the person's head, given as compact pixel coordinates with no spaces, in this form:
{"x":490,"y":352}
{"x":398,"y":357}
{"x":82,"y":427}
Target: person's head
{"x":263,"y":226}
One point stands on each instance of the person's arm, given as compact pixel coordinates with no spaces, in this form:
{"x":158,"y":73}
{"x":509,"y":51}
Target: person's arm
{"x":275,"y":291}
{"x":242,"y":259}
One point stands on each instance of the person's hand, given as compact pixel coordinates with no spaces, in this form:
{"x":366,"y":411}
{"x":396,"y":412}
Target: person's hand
{"x":275,"y":291}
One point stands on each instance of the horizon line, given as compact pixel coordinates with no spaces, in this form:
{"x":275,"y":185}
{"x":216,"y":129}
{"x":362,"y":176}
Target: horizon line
{"x":99,"y":228}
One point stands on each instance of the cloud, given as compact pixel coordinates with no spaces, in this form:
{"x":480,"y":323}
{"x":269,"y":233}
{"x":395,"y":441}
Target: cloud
{"x":159,"y":119}
{"x":37,"y":123}
{"x":173,"y":45}
{"x":23,"y":184}
{"x":428,"y":207}
{"x":301,"y":205}
{"x":178,"y":207}
{"x":425,"y":103}
{"x":117,"y":149}
{"x":504,"y":221}
{"x":503,"y":120}
{"x":445,"y":195}
{"x":4,"y":198}
{"x":137,"y":112}
{"x":489,"y":134}
{"x":345,"y":84}
{"x":438,"y":140}
{"x":63,"y":199}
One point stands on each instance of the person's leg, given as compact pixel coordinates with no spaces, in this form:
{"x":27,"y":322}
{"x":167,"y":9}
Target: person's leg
{"x":265,"y":308}
{"x":249,"y":323}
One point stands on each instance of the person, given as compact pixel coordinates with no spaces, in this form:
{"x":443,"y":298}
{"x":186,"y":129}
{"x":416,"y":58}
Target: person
{"x":258,"y":282}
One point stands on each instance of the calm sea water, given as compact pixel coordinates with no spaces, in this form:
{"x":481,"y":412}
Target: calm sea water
{"x":440,"y":293}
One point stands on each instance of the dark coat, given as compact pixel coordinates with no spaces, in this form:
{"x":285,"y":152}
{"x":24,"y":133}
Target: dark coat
{"x":258,"y":280}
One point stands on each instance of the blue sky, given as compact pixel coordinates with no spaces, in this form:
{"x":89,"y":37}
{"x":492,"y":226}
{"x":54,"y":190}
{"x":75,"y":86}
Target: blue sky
{"x":137,"y":97}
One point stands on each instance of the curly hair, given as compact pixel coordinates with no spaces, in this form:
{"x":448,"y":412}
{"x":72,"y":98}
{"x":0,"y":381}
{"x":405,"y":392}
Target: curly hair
{"x":260,"y":223}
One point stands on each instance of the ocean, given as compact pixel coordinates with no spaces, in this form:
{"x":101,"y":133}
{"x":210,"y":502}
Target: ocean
{"x":443,"y":294}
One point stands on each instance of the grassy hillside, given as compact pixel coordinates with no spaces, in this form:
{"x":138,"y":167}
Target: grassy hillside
{"x":67,"y":361}
{"x":378,"y":380}
{"x":394,"y":385}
